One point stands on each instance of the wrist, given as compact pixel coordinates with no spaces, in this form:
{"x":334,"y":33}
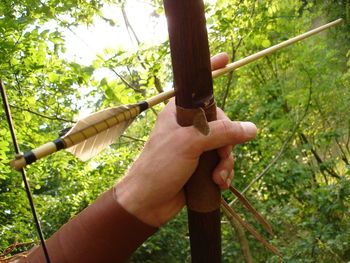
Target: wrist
{"x":135,"y":199}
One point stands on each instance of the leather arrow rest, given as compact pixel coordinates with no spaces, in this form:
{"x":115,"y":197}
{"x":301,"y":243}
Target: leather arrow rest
{"x":201,"y":196}
{"x":194,"y":93}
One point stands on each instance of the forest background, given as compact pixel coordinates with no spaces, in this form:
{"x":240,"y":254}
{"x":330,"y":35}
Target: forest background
{"x":298,"y":97}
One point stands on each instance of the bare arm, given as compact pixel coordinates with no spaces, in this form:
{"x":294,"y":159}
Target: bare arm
{"x":151,"y":193}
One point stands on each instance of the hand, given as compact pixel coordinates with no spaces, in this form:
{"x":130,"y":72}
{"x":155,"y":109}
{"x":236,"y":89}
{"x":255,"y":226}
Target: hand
{"x":152,"y":190}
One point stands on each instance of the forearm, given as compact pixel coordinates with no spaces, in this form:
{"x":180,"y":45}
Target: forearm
{"x":103,"y":232}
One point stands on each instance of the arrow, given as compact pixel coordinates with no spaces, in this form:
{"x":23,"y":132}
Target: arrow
{"x":92,"y":134}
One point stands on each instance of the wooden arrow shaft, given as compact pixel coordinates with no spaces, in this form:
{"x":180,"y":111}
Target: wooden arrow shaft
{"x":50,"y":147}
{"x":267,"y":51}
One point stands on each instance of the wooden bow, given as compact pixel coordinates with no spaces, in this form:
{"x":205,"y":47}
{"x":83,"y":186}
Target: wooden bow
{"x":195,"y":106}
{"x":23,"y":172}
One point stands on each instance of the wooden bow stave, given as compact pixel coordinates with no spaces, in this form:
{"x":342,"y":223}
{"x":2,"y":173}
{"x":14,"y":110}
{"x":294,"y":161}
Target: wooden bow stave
{"x":195,"y":105}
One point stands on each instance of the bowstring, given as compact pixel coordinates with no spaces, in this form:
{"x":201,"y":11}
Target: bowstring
{"x":24,"y":176}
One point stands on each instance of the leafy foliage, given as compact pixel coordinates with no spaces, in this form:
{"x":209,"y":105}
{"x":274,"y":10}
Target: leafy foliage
{"x":298,"y":97}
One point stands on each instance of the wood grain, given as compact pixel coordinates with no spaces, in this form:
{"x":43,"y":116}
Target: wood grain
{"x":194,"y":90}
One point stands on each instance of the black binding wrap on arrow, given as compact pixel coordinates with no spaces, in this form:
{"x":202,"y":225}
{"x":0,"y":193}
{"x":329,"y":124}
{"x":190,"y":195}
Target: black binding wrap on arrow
{"x":143,"y":105}
{"x":59,"y":144}
{"x":29,"y":157}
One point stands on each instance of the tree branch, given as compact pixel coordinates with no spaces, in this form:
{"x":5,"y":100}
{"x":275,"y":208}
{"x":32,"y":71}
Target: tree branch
{"x":268,"y":167}
{"x":42,"y":115}
{"x":233,"y":58}
{"x":281,"y":151}
{"x":242,"y":238}
{"x":133,"y":138}
{"x":128,"y":25}
{"x":230,"y":75}
{"x":129,"y":28}
{"x":318,"y":158}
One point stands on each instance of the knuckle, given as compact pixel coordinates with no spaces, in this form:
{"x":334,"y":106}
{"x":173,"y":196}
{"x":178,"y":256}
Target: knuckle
{"x":188,"y":138}
{"x":225,"y":126}
{"x":233,"y":130}
{"x":161,"y":115}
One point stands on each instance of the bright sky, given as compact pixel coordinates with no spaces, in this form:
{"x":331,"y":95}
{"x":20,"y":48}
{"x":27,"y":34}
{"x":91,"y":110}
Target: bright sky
{"x":84,"y":43}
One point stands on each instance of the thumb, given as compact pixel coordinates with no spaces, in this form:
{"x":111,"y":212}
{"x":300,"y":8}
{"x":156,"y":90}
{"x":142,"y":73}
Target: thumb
{"x":226,"y":132}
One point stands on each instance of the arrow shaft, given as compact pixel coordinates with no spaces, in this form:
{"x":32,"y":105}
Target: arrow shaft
{"x":54,"y":146}
{"x":265,"y":52}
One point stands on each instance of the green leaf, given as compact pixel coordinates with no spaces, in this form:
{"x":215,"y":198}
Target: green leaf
{"x":266,"y":43}
{"x":27,"y":116}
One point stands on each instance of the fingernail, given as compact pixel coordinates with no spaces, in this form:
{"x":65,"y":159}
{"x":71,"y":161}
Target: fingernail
{"x":224,"y":175}
{"x":228,"y":181}
{"x":249,"y":128}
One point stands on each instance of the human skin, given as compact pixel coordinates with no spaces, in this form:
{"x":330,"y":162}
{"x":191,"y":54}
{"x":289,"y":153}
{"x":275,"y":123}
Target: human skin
{"x":152,"y":190}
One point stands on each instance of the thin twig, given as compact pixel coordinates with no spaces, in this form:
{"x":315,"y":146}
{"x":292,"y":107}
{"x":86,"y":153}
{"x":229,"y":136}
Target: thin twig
{"x":281,"y":151}
{"x":267,"y":168}
{"x":125,"y":82}
{"x":128,"y":25}
{"x":330,"y":250}
{"x":42,"y":115}
{"x":12,"y":247}
{"x":344,"y":158}
{"x":233,"y":57}
{"x":230,"y":75}
{"x":242,"y":238}
{"x":133,"y":138}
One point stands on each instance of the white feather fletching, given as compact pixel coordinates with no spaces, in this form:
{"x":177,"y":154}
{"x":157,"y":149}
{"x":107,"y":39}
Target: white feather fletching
{"x":95,"y":144}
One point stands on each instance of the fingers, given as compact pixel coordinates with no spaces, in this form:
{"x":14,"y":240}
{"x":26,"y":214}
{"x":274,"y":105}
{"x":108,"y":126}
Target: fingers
{"x":166,"y":119}
{"x":236,"y":132}
{"x":228,"y":132}
{"x":223,"y":173}
{"x":222,"y":133}
{"x":219,"y":61}
{"x":170,"y":107}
